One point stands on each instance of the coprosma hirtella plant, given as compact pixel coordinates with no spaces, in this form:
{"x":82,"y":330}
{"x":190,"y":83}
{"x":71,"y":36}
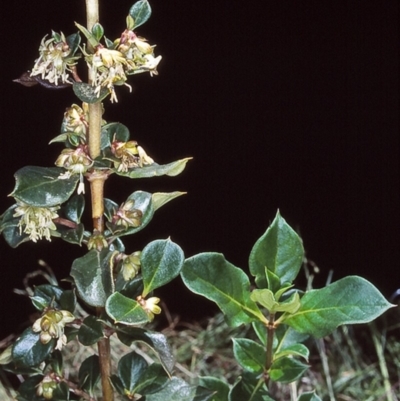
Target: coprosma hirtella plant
{"x":116,"y":286}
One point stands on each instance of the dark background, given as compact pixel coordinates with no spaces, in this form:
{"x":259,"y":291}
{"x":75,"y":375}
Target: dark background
{"x":283,"y":104}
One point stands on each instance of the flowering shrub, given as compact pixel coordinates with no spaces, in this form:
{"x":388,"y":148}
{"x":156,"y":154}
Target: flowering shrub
{"x":112,"y":289}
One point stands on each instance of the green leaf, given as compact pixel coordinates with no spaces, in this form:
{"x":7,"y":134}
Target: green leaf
{"x":72,"y":235}
{"x":29,"y":351}
{"x":40,"y":186}
{"x":91,"y":331}
{"x":161,"y":198}
{"x":68,"y":300}
{"x":56,"y":362}
{"x":161,"y":261}
{"x":309,"y":397}
{"x":280,"y":250}
{"x":97,"y":31}
{"x":144,"y":204}
{"x":140,"y":12}
{"x":350,"y":300}
{"x":156,"y":341}
{"x":27,"y":389}
{"x":89,"y":374}
{"x":210,"y":275}
{"x":125,"y":310}
{"x":137,"y":377}
{"x":249,"y":387}
{"x":73,"y":41}
{"x":154,"y":170}
{"x":178,"y":390}
{"x":287,"y":336}
{"x":130,"y":368}
{"x":86,"y":92}
{"x":74,"y":208}
{"x":93,"y":277}
{"x":113,"y":132}
{"x":219,"y":387}
{"x":153,"y":379}
{"x":61,"y":392}
{"x":110,"y":208}
{"x":250,"y":355}
{"x":46,"y":295}
{"x":89,"y":36}
{"x":10,"y":229}
{"x":293,"y":350}
{"x":287,"y":370}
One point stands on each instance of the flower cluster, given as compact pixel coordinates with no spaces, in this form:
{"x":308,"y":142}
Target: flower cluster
{"x":37,"y":222}
{"x":131,"y":265}
{"x":76,"y":121}
{"x":111,"y":66}
{"x":55,"y":60}
{"x":51,"y":325}
{"x":129,"y":155}
{"x":150,"y":306}
{"x":46,"y":388}
{"x":75,"y":161}
{"x":127,"y":216}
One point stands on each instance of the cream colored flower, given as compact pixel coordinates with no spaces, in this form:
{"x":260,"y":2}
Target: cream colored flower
{"x":55,"y":59}
{"x":51,"y":325}
{"x":37,"y":222}
{"x":150,"y":306}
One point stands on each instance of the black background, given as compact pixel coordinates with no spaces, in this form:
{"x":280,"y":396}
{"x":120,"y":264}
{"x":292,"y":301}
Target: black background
{"x":283,"y":104}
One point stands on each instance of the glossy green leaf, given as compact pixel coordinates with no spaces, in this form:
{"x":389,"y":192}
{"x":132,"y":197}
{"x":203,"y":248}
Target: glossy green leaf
{"x":113,"y":132}
{"x":89,"y":36}
{"x":286,"y":337}
{"x":211,"y":275}
{"x":61,"y":392}
{"x":280,"y":250}
{"x":72,"y":235}
{"x":250,"y":355}
{"x":56,"y":362}
{"x":130,"y":368}
{"x":40,"y":186}
{"x":350,"y":300}
{"x":156,"y":341}
{"x":266,"y":298}
{"x":74,"y":208}
{"x":110,"y":208}
{"x":177,"y":389}
{"x":161,"y":262}
{"x":152,"y":380}
{"x":27,"y":389}
{"x":311,"y":396}
{"x":73,"y":41}
{"x":219,"y":387}
{"x":287,"y":370}
{"x":125,"y":310}
{"x":86,"y":92}
{"x":144,"y":204}
{"x":137,"y":376}
{"x":92,"y":275}
{"x":132,"y":288}
{"x":293,"y":350}
{"x":10,"y":230}
{"x":89,"y":374}
{"x":249,"y":387}
{"x":155,"y":170}
{"x":97,"y":31}
{"x":29,"y":351}
{"x":91,"y":331}
{"x":46,"y":295}
{"x":140,"y":12}
{"x":161,"y":198}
